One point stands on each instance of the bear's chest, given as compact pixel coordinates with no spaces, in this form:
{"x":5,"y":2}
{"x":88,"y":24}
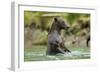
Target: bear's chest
{"x":56,"y":37}
{"x":59,"y":39}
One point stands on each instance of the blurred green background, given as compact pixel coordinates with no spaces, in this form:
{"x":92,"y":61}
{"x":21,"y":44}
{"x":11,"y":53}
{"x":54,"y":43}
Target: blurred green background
{"x":37,"y":26}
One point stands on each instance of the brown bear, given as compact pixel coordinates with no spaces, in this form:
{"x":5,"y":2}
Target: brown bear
{"x":55,"y":41}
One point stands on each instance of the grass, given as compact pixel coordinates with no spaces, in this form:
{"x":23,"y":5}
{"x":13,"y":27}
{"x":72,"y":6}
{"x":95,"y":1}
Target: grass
{"x":38,"y":53}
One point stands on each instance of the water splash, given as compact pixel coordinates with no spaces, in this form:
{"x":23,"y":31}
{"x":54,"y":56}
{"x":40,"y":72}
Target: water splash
{"x":74,"y":54}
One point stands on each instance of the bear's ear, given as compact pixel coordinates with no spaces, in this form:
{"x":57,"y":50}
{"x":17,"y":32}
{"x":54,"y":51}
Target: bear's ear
{"x":55,"y":19}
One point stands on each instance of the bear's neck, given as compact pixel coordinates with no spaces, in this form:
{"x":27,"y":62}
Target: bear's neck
{"x":58,"y":30}
{"x":55,"y":28}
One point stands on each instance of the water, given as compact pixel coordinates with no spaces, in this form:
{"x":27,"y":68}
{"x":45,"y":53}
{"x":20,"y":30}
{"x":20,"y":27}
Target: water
{"x":38,"y":53}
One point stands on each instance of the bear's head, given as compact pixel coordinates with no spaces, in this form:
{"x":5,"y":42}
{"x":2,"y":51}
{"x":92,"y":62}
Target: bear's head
{"x":60,"y":23}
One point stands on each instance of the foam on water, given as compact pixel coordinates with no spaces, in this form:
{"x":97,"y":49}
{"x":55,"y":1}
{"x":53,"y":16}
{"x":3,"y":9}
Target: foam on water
{"x":76,"y":53}
{"x":53,"y":57}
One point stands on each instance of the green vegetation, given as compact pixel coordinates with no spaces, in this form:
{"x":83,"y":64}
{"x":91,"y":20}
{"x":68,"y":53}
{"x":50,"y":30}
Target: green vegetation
{"x":42,"y":22}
